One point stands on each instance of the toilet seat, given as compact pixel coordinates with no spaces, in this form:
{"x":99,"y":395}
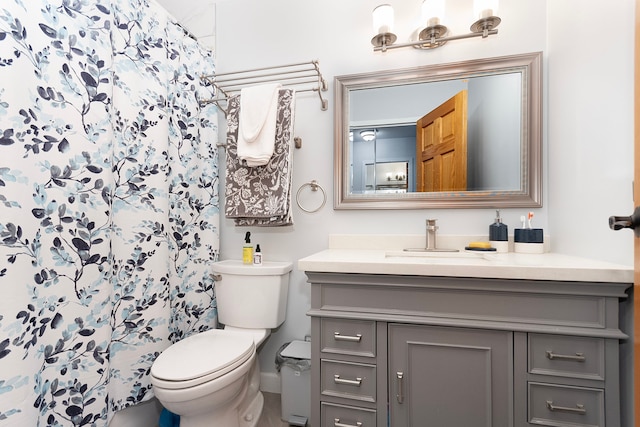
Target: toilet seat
{"x":201,"y":358}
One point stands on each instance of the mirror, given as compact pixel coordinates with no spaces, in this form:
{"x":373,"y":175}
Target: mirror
{"x":458,"y":135}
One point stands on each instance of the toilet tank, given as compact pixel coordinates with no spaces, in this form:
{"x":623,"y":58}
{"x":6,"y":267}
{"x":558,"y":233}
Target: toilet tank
{"x":251,"y":296}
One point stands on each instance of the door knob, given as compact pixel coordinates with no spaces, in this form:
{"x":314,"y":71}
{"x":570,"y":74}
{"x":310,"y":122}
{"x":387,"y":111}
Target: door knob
{"x":632,"y":222}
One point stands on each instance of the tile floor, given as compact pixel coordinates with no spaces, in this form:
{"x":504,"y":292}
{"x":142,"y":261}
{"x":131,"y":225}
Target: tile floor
{"x":271,"y":412}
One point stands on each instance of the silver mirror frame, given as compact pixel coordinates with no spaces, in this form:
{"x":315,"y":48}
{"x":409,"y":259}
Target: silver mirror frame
{"x":530,"y":193}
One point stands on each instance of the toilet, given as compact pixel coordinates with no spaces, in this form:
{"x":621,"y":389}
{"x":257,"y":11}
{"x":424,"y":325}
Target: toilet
{"x":213,"y":378}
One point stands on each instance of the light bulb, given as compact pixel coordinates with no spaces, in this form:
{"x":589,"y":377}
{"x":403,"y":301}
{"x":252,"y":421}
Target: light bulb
{"x":432,"y":12}
{"x":383,"y":19}
{"x":485,"y":8}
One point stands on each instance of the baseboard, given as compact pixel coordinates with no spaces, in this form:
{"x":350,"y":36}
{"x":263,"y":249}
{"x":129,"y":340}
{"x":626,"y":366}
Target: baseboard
{"x":270,"y":382}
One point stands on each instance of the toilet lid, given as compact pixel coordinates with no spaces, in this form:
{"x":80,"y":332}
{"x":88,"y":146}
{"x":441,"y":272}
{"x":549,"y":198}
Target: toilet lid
{"x":202,"y":354}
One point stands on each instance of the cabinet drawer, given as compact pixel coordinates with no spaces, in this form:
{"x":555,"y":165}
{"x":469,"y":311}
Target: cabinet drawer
{"x":576,"y":357}
{"x":345,"y":336}
{"x":559,"y":406}
{"x":348,"y":380}
{"x":332,"y":415}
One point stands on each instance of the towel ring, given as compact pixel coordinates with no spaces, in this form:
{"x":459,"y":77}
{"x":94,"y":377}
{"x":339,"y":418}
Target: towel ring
{"x":314,"y":187}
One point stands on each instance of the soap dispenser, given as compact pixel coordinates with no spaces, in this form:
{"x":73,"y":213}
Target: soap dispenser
{"x":499,"y":234}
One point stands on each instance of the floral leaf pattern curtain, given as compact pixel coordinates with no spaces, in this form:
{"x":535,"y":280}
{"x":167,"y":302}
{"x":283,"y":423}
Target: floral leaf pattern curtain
{"x":109,"y":207}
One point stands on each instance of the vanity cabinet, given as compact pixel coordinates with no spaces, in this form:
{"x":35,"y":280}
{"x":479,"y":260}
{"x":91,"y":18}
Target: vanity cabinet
{"x":449,"y":376}
{"x":457,"y":351}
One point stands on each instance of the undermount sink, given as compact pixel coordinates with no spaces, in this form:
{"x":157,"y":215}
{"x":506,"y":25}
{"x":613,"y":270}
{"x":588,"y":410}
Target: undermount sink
{"x":433,"y":257}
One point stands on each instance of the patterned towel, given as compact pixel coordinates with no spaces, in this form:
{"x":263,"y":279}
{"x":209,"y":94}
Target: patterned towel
{"x":261,"y":195}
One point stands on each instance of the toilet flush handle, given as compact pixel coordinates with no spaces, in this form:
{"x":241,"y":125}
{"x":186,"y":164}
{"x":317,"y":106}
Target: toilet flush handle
{"x":216,"y":277}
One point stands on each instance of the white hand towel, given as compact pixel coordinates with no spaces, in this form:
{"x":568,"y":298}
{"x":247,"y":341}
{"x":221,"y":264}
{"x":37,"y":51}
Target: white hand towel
{"x":257,"y":123}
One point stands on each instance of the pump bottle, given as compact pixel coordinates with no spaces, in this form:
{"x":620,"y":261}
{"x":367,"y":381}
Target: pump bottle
{"x":499,"y":234}
{"x":247,"y":249}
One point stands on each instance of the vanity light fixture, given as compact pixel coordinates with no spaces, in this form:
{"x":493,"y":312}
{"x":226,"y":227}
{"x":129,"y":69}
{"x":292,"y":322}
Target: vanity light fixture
{"x":368,"y":135}
{"x":435,"y":33}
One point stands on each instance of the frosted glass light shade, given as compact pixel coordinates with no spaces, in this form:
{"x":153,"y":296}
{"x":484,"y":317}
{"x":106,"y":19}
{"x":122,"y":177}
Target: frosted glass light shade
{"x":432,"y":12}
{"x":383,"y":19}
{"x":368,"y":135}
{"x":485,"y":8}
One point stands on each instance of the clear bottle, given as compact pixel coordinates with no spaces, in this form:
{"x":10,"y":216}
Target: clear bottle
{"x":257,"y":256}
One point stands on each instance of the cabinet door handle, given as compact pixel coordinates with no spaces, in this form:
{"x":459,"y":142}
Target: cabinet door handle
{"x":579,"y":357}
{"x":338,"y":380}
{"x":350,"y":338}
{"x":399,"y":395}
{"x":579,"y":409}
{"x":337,"y":423}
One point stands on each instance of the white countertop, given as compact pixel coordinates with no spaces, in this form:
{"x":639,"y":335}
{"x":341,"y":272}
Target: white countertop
{"x":385,"y":255}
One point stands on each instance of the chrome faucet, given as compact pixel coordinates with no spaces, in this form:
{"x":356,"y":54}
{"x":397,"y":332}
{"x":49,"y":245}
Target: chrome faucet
{"x":430,"y":246}
{"x":431,"y":234}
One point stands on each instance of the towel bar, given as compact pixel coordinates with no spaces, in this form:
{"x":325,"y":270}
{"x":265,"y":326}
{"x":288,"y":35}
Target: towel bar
{"x":314,"y":187}
{"x":296,"y":140}
{"x":298,"y":76}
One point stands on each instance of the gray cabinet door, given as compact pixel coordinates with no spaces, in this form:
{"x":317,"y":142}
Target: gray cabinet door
{"x":445,"y":376}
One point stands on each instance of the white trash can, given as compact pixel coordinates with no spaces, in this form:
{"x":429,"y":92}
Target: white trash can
{"x":294,"y":361}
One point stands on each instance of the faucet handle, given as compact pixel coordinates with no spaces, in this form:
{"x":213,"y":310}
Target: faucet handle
{"x":431,"y":224}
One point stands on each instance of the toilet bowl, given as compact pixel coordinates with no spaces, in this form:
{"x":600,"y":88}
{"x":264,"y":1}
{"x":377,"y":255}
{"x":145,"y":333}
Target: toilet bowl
{"x":205,"y":373}
{"x":213,"y":378}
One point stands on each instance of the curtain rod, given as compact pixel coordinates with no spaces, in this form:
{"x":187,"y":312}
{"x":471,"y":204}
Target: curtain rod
{"x":186,"y":32}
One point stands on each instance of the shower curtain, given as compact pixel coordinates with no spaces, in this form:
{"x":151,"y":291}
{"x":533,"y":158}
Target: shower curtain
{"x":108,"y":204}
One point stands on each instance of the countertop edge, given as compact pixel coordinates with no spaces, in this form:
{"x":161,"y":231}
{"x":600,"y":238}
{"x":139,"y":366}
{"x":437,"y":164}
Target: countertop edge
{"x":548,"y":266}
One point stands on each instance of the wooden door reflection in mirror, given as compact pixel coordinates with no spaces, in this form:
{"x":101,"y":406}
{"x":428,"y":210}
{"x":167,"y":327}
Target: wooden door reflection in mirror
{"x":441,"y":146}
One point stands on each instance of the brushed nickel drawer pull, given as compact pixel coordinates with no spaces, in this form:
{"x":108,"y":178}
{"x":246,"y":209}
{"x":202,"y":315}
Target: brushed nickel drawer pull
{"x":337,"y":423}
{"x":350,"y":338}
{"x":338,"y":380}
{"x":579,"y":409}
{"x":579,"y":357}
{"x":399,"y":395}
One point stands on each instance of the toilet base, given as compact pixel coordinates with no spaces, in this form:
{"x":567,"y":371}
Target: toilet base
{"x":245,"y":412}
{"x":251,"y":416}
{"x":247,"y":418}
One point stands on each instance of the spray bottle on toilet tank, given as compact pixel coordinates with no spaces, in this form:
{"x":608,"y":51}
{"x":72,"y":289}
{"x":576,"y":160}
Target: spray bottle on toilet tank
{"x":247,"y":249}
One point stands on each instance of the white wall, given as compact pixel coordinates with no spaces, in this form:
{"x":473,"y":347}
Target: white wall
{"x":587,"y":110}
{"x":590,"y":127}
